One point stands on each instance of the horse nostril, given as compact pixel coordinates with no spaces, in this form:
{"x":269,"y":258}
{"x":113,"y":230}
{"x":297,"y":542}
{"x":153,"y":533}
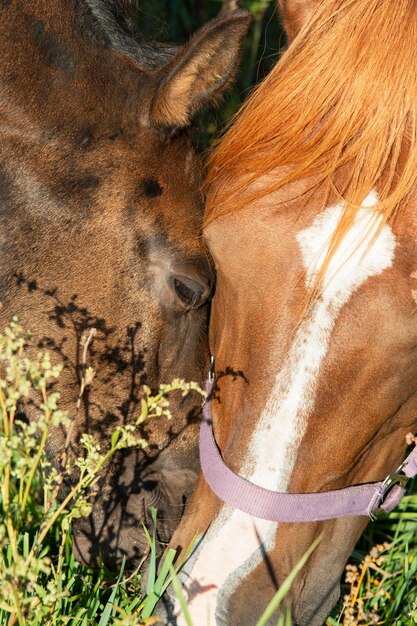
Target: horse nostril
{"x":150,"y":485}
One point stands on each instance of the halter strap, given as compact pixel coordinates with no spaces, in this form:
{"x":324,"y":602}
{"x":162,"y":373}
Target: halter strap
{"x":367,"y":499}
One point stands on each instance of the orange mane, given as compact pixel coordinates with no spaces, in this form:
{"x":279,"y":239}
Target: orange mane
{"x":344,"y":95}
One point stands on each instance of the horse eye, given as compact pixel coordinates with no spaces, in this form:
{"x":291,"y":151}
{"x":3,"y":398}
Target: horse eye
{"x":188,"y":291}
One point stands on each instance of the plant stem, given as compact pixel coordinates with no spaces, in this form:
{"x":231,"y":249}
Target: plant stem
{"x":359,"y":584}
{"x":60,"y":557}
{"x":6,"y":427}
{"x":12,"y":411}
{"x":9,"y":519}
{"x":84,"y":483}
{"x":17,"y":607}
{"x":45,"y":529}
{"x":5,"y":488}
{"x":41,"y":448}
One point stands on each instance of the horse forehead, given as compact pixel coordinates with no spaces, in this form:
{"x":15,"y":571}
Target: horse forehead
{"x":293,"y":228}
{"x":365,"y":249}
{"x":267,"y":236}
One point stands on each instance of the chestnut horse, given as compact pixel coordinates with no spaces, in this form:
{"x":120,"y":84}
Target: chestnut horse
{"x":311,"y":222}
{"x":100,"y":222}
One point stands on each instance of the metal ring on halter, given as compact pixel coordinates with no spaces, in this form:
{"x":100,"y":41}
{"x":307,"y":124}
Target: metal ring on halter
{"x":396,"y":478}
{"x":211,"y":374}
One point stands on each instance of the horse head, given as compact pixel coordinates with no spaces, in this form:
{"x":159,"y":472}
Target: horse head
{"x":311,"y":221}
{"x":100,"y":218}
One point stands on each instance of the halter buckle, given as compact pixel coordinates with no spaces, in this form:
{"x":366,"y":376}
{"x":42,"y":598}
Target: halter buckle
{"x":396,"y":478}
{"x":211,"y":374}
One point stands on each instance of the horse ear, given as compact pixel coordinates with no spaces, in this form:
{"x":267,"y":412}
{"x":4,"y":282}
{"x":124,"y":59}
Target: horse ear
{"x":294,"y":14}
{"x":201,"y":71}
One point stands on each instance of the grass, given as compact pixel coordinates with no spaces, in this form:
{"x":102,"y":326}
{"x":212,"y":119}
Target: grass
{"x":380,"y":582}
{"x":41,"y":584}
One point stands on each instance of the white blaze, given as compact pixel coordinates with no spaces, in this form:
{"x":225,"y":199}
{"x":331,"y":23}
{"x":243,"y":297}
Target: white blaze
{"x":231,"y":547}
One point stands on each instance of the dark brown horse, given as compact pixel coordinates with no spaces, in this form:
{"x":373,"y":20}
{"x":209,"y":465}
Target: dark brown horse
{"x":100,"y":218}
{"x":311,"y":220}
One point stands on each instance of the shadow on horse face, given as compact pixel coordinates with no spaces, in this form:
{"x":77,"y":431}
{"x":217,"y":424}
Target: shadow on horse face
{"x":315,"y":305}
{"x":100,"y":220}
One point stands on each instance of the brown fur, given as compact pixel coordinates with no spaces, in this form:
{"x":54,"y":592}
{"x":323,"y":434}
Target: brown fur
{"x":99,"y":209}
{"x":294,"y":14}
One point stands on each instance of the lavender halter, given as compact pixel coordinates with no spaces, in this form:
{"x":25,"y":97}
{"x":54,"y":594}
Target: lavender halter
{"x":367,"y":499}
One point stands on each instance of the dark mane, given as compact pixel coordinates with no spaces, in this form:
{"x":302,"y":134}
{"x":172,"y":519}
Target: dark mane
{"x":109,"y":23}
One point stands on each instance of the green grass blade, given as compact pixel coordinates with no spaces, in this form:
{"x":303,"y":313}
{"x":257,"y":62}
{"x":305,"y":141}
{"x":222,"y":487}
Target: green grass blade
{"x":163,"y":581}
{"x":163,"y":575}
{"x":286,"y":586}
{"x":152,"y":561}
{"x":168,"y":580}
{"x":26,"y":548}
{"x":160,"y":585}
{"x":104,"y":620}
{"x":180,"y":595}
{"x":285,"y":618}
{"x":187,"y":553}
